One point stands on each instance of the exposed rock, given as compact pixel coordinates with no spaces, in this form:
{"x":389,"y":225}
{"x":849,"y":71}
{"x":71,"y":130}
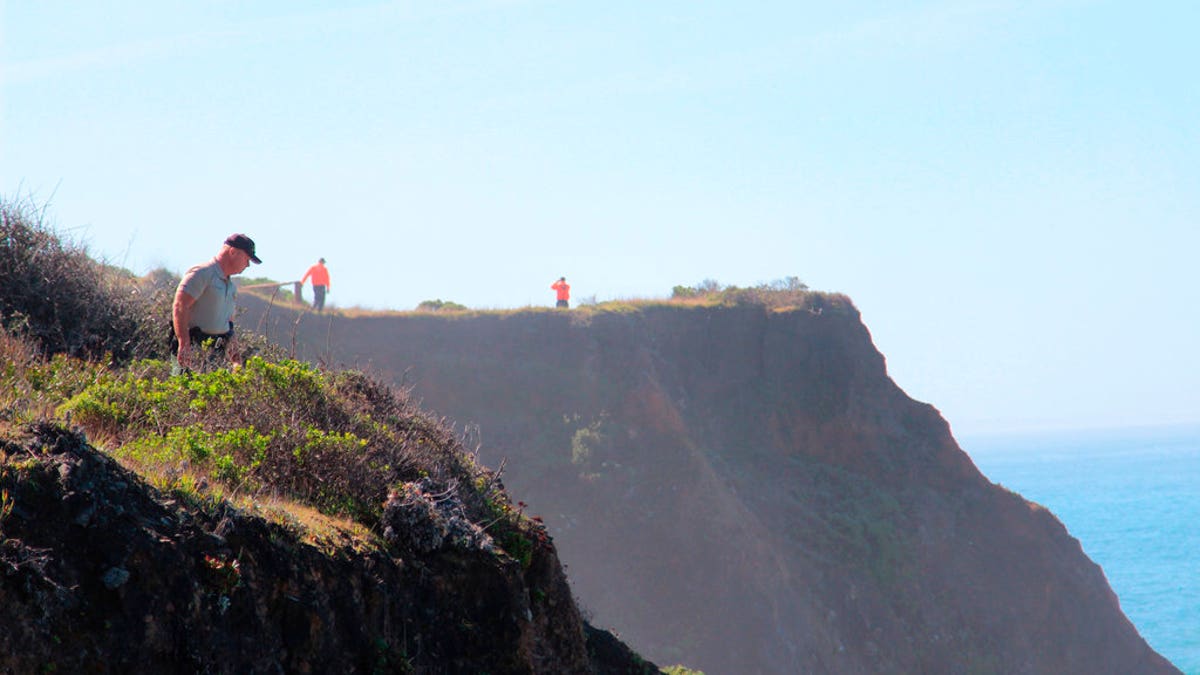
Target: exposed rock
{"x":115,"y":578}
{"x":423,"y":517}
{"x":146,"y":583}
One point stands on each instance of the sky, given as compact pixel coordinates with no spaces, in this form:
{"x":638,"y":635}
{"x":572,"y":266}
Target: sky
{"x":1008,"y":191}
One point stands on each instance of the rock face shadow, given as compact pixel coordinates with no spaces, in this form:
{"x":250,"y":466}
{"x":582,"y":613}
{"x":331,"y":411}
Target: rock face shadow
{"x":744,"y":489}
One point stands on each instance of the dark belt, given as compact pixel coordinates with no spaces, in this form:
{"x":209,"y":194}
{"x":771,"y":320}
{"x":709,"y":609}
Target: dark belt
{"x":199,"y":337}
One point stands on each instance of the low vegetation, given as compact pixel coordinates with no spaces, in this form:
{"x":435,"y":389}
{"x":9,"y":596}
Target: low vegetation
{"x":440,"y":305}
{"x":296,"y":444}
{"x":784,"y":294}
{"x":336,"y":441}
{"x":788,"y":292}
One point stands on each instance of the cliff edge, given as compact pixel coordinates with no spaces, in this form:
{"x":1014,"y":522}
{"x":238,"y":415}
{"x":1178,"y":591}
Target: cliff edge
{"x":744,"y":489}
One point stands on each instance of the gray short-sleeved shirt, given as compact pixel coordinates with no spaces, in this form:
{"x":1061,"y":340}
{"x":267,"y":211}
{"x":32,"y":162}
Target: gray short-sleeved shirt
{"x":215,"y":296}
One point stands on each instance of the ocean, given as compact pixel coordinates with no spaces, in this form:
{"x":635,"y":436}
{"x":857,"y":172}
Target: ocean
{"x":1132,"y":499}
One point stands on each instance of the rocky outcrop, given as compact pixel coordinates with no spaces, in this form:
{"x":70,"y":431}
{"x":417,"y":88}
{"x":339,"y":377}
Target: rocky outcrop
{"x":745,"y":489}
{"x":100,"y":572}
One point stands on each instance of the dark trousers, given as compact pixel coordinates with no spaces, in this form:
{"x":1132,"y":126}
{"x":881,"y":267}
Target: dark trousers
{"x":561,"y":303}
{"x":318,"y":297}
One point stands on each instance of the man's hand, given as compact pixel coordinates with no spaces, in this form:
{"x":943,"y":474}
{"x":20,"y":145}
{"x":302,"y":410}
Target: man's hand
{"x":185,"y":353}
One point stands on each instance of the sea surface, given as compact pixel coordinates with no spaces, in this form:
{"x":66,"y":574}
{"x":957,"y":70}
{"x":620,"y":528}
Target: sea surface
{"x":1132,"y":499}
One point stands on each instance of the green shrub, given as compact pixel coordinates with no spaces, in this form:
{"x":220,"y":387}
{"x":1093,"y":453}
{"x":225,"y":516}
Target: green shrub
{"x":707,"y":287}
{"x":334,"y":441}
{"x":440,"y":306}
{"x":31,"y":386}
{"x":788,"y":293}
{"x":517,"y":534}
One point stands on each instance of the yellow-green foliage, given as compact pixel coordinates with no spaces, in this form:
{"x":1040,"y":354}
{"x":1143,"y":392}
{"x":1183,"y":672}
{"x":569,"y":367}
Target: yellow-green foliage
{"x":681,"y":670}
{"x":31,"y":386}
{"x":335,"y":441}
{"x":313,"y":450}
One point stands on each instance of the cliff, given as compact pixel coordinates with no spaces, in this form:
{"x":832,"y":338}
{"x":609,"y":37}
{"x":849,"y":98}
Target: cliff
{"x":101,"y":572}
{"x":744,"y":489}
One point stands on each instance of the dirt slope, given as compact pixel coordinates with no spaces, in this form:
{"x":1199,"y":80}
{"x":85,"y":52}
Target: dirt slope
{"x":746,"y":490}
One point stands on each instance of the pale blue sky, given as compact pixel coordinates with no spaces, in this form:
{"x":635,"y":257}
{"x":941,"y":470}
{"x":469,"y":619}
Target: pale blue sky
{"x":1009,"y":191}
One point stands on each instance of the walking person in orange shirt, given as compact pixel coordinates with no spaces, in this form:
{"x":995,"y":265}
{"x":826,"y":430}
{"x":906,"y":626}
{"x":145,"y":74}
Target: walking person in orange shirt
{"x":320,"y":283}
{"x":563,"y":292}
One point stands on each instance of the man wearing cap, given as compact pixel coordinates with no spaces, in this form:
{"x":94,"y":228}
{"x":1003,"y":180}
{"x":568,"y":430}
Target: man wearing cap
{"x":205,"y":299}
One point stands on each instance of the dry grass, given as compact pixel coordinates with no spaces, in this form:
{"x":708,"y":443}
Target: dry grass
{"x":68,"y":303}
{"x":310,"y":526}
{"x":779,"y":296}
{"x":32,"y":386}
{"x":775,"y":301}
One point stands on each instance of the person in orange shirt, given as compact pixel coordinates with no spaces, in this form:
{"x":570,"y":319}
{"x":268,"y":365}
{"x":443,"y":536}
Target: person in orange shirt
{"x":563,"y":292}
{"x":320,"y":283}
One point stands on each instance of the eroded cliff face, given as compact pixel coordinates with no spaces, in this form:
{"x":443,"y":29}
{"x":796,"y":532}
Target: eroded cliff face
{"x":746,"y":491}
{"x":101,"y":573}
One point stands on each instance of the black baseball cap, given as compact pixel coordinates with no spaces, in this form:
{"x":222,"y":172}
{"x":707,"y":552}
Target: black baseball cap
{"x":243,"y":243}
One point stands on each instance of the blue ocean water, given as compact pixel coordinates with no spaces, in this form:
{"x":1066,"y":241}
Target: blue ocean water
{"x":1132,"y":499}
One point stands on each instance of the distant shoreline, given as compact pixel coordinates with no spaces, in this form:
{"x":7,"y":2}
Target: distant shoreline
{"x":1076,"y":438}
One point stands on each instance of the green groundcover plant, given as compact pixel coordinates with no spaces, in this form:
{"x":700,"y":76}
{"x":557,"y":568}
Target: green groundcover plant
{"x":335,"y":441}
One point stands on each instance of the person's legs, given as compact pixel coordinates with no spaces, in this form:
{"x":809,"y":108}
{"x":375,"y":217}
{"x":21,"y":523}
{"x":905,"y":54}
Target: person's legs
{"x":319,"y":298}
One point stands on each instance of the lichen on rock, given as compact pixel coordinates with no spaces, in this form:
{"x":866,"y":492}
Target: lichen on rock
{"x":422,"y":517}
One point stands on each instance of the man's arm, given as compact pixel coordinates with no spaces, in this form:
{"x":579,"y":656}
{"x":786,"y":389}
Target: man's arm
{"x":181,"y":315}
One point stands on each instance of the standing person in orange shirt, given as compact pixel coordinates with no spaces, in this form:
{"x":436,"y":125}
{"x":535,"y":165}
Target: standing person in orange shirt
{"x":563,"y":292}
{"x":320,"y":283}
